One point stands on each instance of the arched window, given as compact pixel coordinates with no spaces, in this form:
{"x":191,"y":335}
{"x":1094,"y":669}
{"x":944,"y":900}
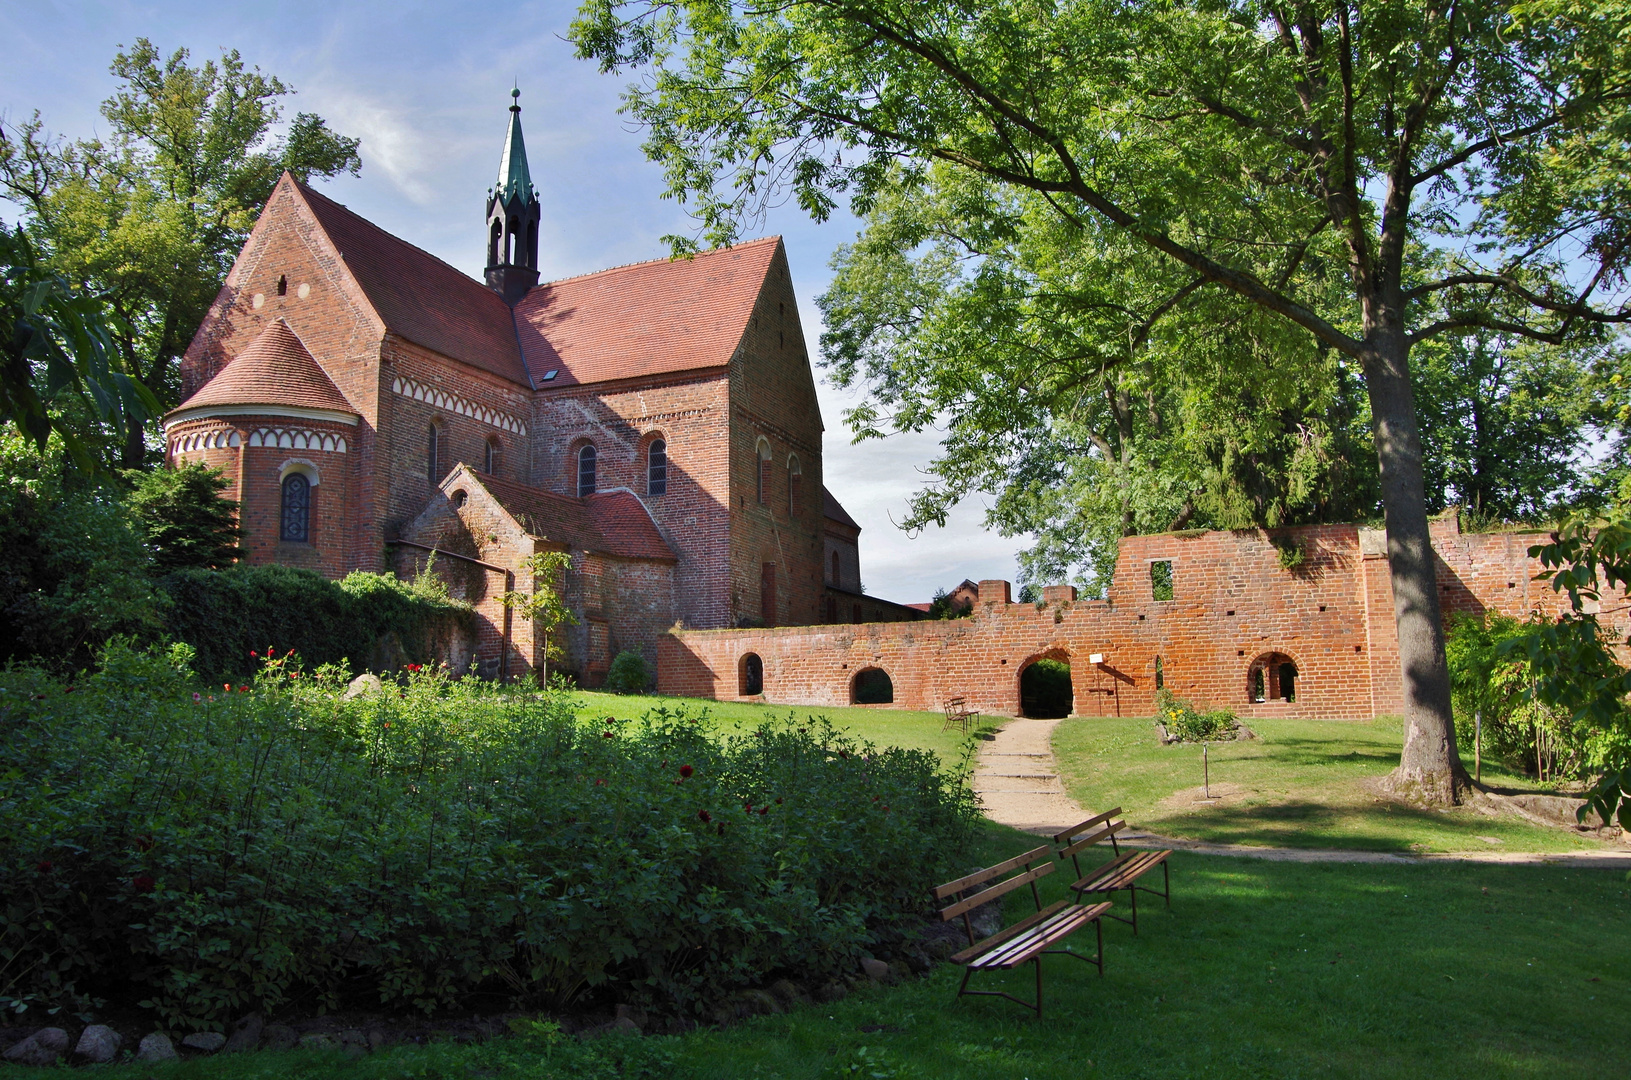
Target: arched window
{"x":493,"y":243}
{"x":283,"y":285}
{"x":1160,"y":675}
{"x":795,"y":478}
{"x":491,"y":457}
{"x":657,"y":467}
{"x":752,"y":675}
{"x":433,"y":454}
{"x":586,"y":471}
{"x":763,"y":486}
{"x":295,"y":527}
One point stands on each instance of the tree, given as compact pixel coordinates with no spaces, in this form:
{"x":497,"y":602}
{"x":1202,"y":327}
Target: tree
{"x":186,"y":521}
{"x":59,"y":370}
{"x":1455,"y":167}
{"x":544,"y":606}
{"x":154,"y":216}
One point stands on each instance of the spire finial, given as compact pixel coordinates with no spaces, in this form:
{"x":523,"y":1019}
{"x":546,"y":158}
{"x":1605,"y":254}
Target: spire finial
{"x":515,"y":99}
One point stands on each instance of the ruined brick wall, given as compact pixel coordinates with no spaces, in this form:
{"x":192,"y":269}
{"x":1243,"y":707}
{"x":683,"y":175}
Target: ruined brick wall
{"x":1233,"y":606}
{"x":773,"y":404}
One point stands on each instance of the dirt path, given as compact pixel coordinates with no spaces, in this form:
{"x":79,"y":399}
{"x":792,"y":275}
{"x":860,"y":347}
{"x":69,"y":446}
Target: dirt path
{"x":1017,"y":780}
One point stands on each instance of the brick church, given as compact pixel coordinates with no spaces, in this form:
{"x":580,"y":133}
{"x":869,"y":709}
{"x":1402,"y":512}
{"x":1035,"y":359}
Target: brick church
{"x":373,"y":406}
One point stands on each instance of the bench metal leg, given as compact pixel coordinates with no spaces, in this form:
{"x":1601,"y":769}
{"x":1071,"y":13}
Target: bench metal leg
{"x":1097,"y":960}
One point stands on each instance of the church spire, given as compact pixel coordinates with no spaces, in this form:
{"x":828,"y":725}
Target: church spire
{"x":512,"y":217}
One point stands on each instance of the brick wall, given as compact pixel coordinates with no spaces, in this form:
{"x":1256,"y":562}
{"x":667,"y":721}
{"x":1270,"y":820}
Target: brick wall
{"x":1233,"y":606}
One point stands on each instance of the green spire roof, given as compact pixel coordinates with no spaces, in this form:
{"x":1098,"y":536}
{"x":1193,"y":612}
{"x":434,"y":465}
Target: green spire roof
{"x":513,"y":176}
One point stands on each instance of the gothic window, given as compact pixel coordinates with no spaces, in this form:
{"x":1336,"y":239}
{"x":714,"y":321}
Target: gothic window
{"x":795,"y":478}
{"x":296,"y":511}
{"x":763,"y":487}
{"x":493,"y":243}
{"x":433,"y":454}
{"x":657,"y":467}
{"x":491,"y":457}
{"x":283,"y":285}
{"x":586,"y":471}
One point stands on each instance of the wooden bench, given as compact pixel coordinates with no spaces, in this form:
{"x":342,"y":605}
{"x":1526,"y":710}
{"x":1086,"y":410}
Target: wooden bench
{"x":1121,"y":872}
{"x":1028,"y":940}
{"x":958,"y":712}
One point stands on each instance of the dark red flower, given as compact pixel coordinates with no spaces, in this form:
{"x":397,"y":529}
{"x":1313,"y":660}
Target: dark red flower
{"x":886,"y":808}
{"x":607,"y":735}
{"x":600,"y":783}
{"x":253,"y":655}
{"x":144,"y":843}
{"x":43,"y":866}
{"x":142,"y":883}
{"x":763,"y":810}
{"x":748,"y":807}
{"x":843,"y":753}
{"x":778,"y":800}
{"x":69,"y":690}
{"x":243,"y":689}
{"x":686,"y":771}
{"x":704,"y":817}
{"x":227,"y":687}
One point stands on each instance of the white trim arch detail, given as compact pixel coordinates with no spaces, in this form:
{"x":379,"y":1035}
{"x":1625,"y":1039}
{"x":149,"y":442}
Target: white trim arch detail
{"x":192,"y":442}
{"x":455,"y":404}
{"x":298,"y":465}
{"x":293,"y":439}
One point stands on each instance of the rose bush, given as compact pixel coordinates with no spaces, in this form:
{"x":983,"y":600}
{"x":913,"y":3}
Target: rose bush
{"x":206,"y":852}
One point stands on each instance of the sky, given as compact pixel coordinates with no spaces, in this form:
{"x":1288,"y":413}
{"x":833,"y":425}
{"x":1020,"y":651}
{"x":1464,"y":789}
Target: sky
{"x":426,"y":89}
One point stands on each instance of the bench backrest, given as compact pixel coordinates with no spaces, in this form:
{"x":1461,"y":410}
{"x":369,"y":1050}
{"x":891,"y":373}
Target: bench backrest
{"x":955,"y":706}
{"x":1010,"y":874}
{"x":1079,"y":838}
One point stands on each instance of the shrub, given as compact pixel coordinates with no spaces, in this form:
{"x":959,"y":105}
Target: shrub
{"x":205,"y":854}
{"x":1186,"y":723}
{"x":629,"y":673}
{"x":227,"y":615}
{"x":1490,"y":677}
{"x":186,"y":521}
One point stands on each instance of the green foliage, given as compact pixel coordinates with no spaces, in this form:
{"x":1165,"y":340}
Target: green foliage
{"x":545,"y":605}
{"x":440,"y":842}
{"x":629,"y":673}
{"x":1045,"y":689}
{"x":56,"y":349}
{"x":1492,"y":683}
{"x":1186,"y":723}
{"x":1574,"y":658}
{"x":942,"y":606}
{"x":154,"y":214}
{"x":74,"y":569}
{"x":187,"y":522}
{"x":362,"y":620}
{"x":1288,"y":553}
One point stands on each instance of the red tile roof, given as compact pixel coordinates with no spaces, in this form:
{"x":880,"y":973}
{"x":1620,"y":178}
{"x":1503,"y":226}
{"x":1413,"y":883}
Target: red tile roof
{"x":421,"y":297}
{"x":831,"y":509}
{"x":614,"y":523}
{"x":274,"y":369}
{"x":650,"y":318}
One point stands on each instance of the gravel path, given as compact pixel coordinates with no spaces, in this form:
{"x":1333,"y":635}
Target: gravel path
{"x":1018,"y":783}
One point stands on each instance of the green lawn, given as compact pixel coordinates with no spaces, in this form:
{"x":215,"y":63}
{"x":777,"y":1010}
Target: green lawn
{"x":1303,"y":783}
{"x":883,"y":726}
{"x":1261,"y":969}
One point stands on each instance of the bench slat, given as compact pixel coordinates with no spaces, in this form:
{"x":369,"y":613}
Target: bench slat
{"x":1002,"y":888}
{"x":1026,"y":946}
{"x":967,"y":880}
{"x":1006,"y":932}
{"x":1121,"y":872}
{"x":1088,"y":841}
{"x":1060,"y":838}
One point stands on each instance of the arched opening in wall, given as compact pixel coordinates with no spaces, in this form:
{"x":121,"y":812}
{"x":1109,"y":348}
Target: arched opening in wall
{"x":492,"y":456}
{"x":433,"y":454}
{"x":871,"y":686}
{"x":657,"y":467}
{"x":586,"y":470}
{"x":460,"y":497}
{"x":762,"y":485}
{"x":1272,"y":677}
{"x":294,"y":518}
{"x":795,"y":482}
{"x":1160,"y":675}
{"x":750,"y":675}
{"x":493,"y":242}
{"x":283,"y":285}
{"x":1045,"y":690}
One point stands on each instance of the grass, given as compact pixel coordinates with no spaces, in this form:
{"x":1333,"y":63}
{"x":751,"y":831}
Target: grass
{"x":883,"y":726}
{"x":1302,"y":783}
{"x":1261,"y":969}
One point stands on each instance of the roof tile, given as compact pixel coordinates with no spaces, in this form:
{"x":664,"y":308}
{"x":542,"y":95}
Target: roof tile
{"x":274,"y":369}
{"x":614,"y":522}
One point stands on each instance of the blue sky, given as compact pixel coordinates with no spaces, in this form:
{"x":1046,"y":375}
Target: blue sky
{"x":425,"y":87}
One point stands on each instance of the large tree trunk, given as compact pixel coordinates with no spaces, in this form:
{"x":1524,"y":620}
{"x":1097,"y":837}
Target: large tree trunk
{"x":1429,"y":769}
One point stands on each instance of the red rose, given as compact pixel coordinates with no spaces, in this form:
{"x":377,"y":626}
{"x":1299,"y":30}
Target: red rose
{"x":763,"y":810}
{"x":244,"y":689}
{"x":607,"y":735}
{"x":142,"y":883}
{"x":778,"y":800}
{"x":227,"y":687}
{"x":686,"y":771}
{"x":704,"y":817}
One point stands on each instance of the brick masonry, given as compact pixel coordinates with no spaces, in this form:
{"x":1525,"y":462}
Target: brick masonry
{"x":1234,"y":608}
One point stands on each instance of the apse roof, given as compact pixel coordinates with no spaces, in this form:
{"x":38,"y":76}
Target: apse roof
{"x":274,"y":369}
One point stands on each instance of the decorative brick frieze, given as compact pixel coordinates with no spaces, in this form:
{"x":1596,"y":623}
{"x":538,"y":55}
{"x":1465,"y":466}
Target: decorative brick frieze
{"x":441,"y":399}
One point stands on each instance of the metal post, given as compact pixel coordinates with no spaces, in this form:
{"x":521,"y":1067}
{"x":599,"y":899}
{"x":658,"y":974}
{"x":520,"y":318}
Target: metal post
{"x":1206,"y":769}
{"x":1478,"y":745}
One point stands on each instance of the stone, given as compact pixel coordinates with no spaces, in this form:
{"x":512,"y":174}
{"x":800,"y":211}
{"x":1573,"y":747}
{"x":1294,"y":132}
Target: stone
{"x":246,"y":1034}
{"x":354,"y":1037}
{"x":156,"y":1047}
{"x":635,"y":1015}
{"x":832,"y":992}
{"x":98,"y":1044}
{"x":318,"y":1040}
{"x":280,"y":1037}
{"x":366,"y":683}
{"x":40,"y":1049}
{"x":899,"y":970}
{"x":377,"y":1038}
{"x":625,"y":1026}
{"x":876,"y":970}
{"x":919,"y":962}
{"x":789,"y":993}
{"x":207,"y":1042}
{"x":759,"y":1003}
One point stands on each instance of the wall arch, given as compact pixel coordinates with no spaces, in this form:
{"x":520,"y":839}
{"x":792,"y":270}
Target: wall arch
{"x":750,"y":675}
{"x":871,"y":686}
{"x":1045,"y":687}
{"x":1273,"y":676}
